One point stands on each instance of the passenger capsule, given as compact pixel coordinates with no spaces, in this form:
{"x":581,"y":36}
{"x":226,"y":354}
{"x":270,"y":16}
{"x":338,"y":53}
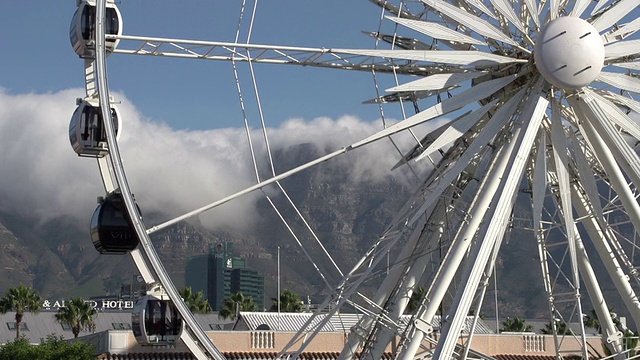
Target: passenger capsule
{"x":86,"y":129}
{"x":112,"y":231}
{"x":155,"y":320}
{"x":82,"y":30}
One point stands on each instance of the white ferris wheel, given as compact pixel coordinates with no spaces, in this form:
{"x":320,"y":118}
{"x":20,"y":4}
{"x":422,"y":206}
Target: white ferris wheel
{"x":540,"y":100}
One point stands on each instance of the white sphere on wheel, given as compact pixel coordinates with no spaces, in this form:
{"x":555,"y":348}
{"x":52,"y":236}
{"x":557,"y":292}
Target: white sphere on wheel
{"x":569,"y":52}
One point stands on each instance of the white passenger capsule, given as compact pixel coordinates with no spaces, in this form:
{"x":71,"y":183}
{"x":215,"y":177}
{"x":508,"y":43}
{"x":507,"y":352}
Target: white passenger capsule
{"x":82,"y":30}
{"x":155,"y":320}
{"x":86,"y":129}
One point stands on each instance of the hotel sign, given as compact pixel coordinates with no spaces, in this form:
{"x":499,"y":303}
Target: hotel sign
{"x":96,"y":304}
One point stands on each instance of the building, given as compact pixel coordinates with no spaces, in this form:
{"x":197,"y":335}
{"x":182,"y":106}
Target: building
{"x":219,"y":274}
{"x":250,"y":283}
{"x":262,"y":335}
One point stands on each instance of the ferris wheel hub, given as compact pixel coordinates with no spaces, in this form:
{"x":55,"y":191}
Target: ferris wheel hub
{"x":569,"y":52}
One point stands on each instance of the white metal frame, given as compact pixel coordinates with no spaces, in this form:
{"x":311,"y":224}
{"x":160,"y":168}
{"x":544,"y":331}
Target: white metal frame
{"x":524,"y":128}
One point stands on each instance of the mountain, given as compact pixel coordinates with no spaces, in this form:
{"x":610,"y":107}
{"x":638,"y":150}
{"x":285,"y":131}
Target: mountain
{"x":58,"y":259}
{"x":347,"y":212}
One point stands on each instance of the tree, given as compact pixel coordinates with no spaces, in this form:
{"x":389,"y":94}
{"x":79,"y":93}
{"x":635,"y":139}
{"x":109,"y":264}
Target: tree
{"x":195,"y":301}
{"x":289,"y":302}
{"x":78,"y":314}
{"x":20,"y":299}
{"x":51,"y":348}
{"x":232,"y":305}
{"x":515,"y":325}
{"x":592,"y":320}
{"x":415,"y":300}
{"x":561,"y":328}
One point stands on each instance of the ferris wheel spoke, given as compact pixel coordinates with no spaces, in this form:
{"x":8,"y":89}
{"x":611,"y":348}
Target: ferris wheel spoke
{"x":598,"y":230}
{"x":475,"y":59}
{"x":436,"y":31}
{"x":506,"y":9}
{"x":554,"y":9}
{"x":399,"y":221}
{"x":621,"y":81}
{"x":412,"y":272}
{"x":247,"y":190}
{"x":488,"y":132}
{"x":615,"y":113}
{"x":628,"y":158}
{"x":579,"y":7}
{"x":621,"y":100}
{"x":458,"y":249}
{"x":449,"y":105}
{"x":616,"y":177}
{"x":627,"y":29}
{"x":457,"y":128}
{"x":610,"y":334}
{"x":395,"y":10}
{"x":478,"y":4}
{"x":632,"y":65}
{"x":425,"y":142}
{"x":539,"y":185}
{"x":599,"y":5}
{"x":280,"y":55}
{"x":622,"y":49}
{"x":471,"y":21}
{"x":559,"y":145}
{"x":531,"y":118}
{"x":302,"y":338}
{"x":614,"y":14}
{"x":585,"y":175}
{"x":438,"y":81}
{"x":356,"y":338}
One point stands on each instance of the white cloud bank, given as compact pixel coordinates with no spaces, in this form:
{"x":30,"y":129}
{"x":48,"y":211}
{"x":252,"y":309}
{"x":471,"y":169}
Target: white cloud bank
{"x":170,"y":171}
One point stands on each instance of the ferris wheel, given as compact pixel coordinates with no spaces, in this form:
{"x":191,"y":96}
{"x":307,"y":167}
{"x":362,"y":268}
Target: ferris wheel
{"x":538,"y":98}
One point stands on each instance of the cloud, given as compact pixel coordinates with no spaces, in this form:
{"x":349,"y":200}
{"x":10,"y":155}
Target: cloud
{"x":170,"y":171}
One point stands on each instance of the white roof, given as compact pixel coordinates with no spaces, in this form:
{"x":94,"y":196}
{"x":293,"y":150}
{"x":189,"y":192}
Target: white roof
{"x":288,"y":322}
{"x":341,"y":322}
{"x":42,"y":324}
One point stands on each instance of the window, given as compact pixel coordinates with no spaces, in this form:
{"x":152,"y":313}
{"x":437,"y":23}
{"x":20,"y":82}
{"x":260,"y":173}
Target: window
{"x":215,"y":327}
{"x":121,"y":326}
{"x":23,"y":326}
{"x":66,"y":327}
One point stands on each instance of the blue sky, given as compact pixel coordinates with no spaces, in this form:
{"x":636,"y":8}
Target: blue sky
{"x":197,"y":94}
{"x":172,"y":163}
{"x":167,"y":102}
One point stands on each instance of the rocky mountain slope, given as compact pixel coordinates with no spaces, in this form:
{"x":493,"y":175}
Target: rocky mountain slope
{"x":58,"y":259}
{"x":347,"y":214}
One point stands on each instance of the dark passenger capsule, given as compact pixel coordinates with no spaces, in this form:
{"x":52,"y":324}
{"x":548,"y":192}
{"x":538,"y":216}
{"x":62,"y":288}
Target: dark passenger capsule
{"x":111,"y":229}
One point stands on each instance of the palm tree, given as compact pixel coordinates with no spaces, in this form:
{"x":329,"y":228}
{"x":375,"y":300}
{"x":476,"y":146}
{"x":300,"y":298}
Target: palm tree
{"x":235,"y":303}
{"x":561,"y":328}
{"x":415,"y":300}
{"x":195,"y":301}
{"x":20,"y":299}
{"x":78,"y":314}
{"x":289,"y":302}
{"x":592,"y":320}
{"x":515,"y":325}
